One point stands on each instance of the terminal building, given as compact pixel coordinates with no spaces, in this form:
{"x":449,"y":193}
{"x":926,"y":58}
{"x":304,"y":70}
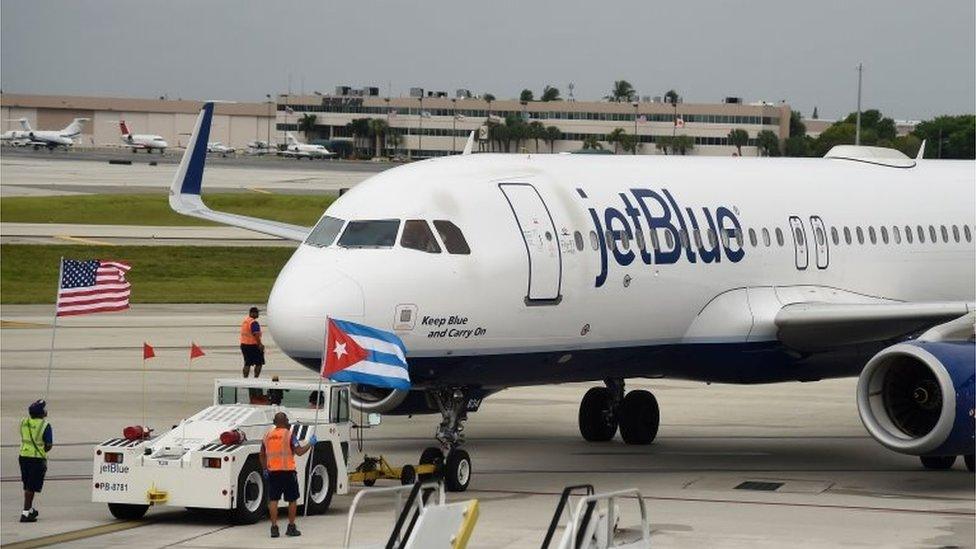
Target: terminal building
{"x":234,"y":124}
{"x":434,"y":124}
{"x":427,"y":124}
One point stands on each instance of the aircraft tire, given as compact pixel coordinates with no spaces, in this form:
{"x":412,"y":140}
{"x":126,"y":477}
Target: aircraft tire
{"x":938,"y":463}
{"x":252,"y":494}
{"x":431,"y":456}
{"x":457,"y":471}
{"x":127,"y":511}
{"x":597,"y":422}
{"x":639,"y":418}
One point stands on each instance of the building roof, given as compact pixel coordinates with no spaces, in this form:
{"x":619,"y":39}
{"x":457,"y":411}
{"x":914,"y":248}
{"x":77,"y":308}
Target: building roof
{"x":86,"y":103}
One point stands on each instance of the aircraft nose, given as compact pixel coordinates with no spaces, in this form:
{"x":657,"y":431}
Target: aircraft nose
{"x":310,"y":288}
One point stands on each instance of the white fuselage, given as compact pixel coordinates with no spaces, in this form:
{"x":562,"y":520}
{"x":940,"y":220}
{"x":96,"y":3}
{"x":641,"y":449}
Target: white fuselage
{"x":612,"y":294}
{"x":144,"y":141}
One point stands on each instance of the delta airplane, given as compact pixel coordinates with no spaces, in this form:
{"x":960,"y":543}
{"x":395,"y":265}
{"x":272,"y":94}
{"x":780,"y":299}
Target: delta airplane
{"x":45,"y":138}
{"x":143,"y":141}
{"x":303,"y":150}
{"x":499,"y":270}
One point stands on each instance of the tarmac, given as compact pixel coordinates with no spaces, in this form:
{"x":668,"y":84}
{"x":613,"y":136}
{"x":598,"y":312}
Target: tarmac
{"x":839,"y":487}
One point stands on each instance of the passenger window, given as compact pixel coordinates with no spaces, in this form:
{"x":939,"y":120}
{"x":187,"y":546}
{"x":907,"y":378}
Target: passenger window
{"x":639,"y":237}
{"x":594,"y":240}
{"x":711,"y":238}
{"x":669,"y":237}
{"x":860,"y":235}
{"x":325,"y":232}
{"x":765,"y":233}
{"x":945,"y":234}
{"x":820,"y":236}
{"x":955,"y":233}
{"x":683,"y":236}
{"x":418,"y":236}
{"x":740,"y":240}
{"x":932,"y":236}
{"x":847,"y":235}
{"x":379,"y":233}
{"x":921,"y":234}
{"x":834,"y":236}
{"x":779,"y":236}
{"x":799,"y":236}
{"x":655,"y":243}
{"x":967,"y":233}
{"x":624,"y":240}
{"x":698,"y":240}
{"x":578,"y":238}
{"x":909,"y":235}
{"x":872,"y":235}
{"x":884,"y":234}
{"x":752,"y":237}
{"x":896,"y":233}
{"x":452,"y":237}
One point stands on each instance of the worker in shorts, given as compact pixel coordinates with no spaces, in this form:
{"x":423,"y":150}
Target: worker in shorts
{"x":278,"y":451}
{"x":251,"y":346}
{"x":36,"y":440}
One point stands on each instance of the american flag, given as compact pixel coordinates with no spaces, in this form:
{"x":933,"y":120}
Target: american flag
{"x":92,"y":287}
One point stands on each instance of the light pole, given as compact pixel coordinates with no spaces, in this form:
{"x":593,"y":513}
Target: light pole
{"x":454,"y":131}
{"x":388,"y":129}
{"x":420,"y":135}
{"x":857,"y":129}
{"x":270,"y":119}
{"x":636,"y":138}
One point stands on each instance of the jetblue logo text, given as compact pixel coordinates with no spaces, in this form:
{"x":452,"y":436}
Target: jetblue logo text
{"x":644,"y":210}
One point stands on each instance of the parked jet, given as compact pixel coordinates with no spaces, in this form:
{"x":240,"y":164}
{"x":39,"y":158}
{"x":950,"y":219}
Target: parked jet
{"x":144,"y":141}
{"x":46,"y":138}
{"x":506,"y":270}
{"x":304,"y":150}
{"x":261,"y":148}
{"x":216,"y":147}
{"x":18,"y":138}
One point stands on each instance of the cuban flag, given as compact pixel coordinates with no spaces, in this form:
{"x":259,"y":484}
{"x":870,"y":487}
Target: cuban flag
{"x":359,"y":354}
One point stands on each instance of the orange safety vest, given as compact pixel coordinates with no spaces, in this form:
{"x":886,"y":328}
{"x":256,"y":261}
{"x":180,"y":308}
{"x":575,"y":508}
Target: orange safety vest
{"x":247,"y":338}
{"x":277,"y":446}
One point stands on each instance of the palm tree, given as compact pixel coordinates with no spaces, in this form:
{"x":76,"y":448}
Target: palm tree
{"x":358,"y":128}
{"x":739,"y":138}
{"x":629,"y":143}
{"x":537,"y":131}
{"x":663,"y":143}
{"x":550,"y":93}
{"x":616,"y":137}
{"x":378,"y":129}
{"x":552,"y":135}
{"x":682,"y":144}
{"x":768,"y":143}
{"x":671,"y":97}
{"x":621,"y":91}
{"x":592,"y":143}
{"x":306,"y":124}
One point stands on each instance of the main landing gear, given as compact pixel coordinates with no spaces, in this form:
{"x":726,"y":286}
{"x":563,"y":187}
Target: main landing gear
{"x":450,"y":460}
{"x":605,"y":409}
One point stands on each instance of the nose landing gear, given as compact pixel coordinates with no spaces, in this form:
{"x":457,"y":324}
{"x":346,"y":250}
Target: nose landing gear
{"x":450,"y":460}
{"x":605,"y":409}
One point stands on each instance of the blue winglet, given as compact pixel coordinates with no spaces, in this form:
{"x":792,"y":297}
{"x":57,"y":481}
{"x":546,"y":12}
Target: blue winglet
{"x":193,"y":175}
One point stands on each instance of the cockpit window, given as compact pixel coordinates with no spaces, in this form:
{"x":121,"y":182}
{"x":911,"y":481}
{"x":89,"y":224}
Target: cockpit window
{"x":453,"y":239}
{"x":325,"y":232}
{"x":418,"y":236}
{"x":379,"y":233}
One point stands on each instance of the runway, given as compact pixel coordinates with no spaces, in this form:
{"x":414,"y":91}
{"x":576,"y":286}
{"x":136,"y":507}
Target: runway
{"x":840,"y":488}
{"x":46,"y":174}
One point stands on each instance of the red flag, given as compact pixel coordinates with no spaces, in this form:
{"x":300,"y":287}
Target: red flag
{"x":341,"y":351}
{"x":147,"y":351}
{"x":195,"y":351}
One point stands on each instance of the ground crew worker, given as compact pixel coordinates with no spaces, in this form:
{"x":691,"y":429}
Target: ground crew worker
{"x":36,"y":439}
{"x":278,"y":451}
{"x":251,"y":346}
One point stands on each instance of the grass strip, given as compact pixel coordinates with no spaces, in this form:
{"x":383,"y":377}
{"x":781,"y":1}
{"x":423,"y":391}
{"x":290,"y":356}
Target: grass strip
{"x":160,"y":274}
{"x":153,"y":209}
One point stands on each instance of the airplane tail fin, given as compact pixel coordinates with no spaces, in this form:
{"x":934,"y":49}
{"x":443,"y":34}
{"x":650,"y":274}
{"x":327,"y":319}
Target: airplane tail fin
{"x":25,"y":124}
{"x":74,"y":128}
{"x":184,"y":193}
{"x":124,"y":128}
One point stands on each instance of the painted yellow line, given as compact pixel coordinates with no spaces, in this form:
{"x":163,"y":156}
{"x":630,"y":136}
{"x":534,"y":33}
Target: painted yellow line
{"x":83,"y":240}
{"x":257,"y":190}
{"x":17,"y":324}
{"x":75,"y":535}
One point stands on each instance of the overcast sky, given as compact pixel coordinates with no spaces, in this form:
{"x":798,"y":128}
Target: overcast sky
{"x":918,"y":55}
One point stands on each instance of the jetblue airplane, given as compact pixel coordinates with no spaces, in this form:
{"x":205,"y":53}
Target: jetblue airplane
{"x":506,"y":270}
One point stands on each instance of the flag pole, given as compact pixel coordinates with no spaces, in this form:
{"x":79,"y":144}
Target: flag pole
{"x":186,"y":393}
{"x":54,"y":328}
{"x":311,"y":454}
{"x":144,"y":387}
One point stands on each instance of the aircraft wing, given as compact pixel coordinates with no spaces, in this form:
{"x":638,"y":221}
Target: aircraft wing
{"x":184,"y":194}
{"x":812,"y":327}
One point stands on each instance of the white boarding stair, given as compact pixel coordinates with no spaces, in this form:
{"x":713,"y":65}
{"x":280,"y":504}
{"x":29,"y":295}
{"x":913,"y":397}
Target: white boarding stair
{"x":594,"y":523}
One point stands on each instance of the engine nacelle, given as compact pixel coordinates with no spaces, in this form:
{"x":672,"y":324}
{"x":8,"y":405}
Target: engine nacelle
{"x":390,"y":401}
{"x":918,"y":397}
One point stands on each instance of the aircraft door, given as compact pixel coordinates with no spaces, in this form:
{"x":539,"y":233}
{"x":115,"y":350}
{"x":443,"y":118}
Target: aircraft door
{"x":541,"y":242}
{"x":799,"y":242}
{"x":821,"y":246}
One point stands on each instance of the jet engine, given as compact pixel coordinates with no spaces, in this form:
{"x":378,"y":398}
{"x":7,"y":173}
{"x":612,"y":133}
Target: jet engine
{"x":390,"y":401}
{"x":917,"y":398}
